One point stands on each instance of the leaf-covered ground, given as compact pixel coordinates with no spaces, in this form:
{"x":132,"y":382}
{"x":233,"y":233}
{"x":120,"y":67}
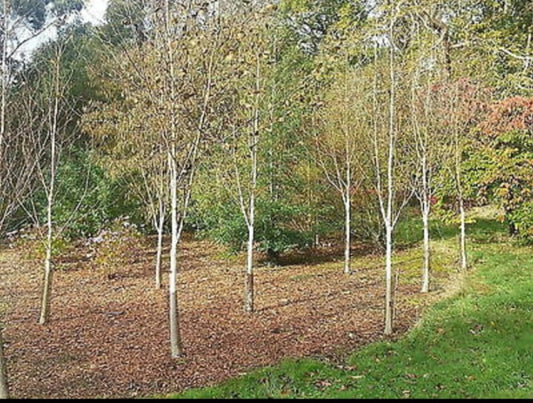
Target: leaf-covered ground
{"x":474,"y":344}
{"x":108,"y":333}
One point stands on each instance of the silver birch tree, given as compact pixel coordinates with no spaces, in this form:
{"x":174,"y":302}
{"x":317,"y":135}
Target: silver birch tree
{"x":386,"y":133}
{"x":19,"y":24}
{"x":166,"y":86}
{"x":55,"y":118}
{"x":46,"y":109}
{"x":194,"y":45}
{"x":428,"y":148}
{"x":338,"y":150}
{"x":247,"y":124}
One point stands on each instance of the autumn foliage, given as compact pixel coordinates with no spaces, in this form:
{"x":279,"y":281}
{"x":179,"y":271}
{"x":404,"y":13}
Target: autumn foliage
{"x":515,"y":113}
{"x":504,"y":156}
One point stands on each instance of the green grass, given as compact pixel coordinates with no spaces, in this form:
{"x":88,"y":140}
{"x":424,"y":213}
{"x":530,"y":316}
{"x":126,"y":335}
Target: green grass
{"x":475,"y":344}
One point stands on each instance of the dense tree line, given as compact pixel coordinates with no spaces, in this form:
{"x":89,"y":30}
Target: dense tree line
{"x":267,"y":125}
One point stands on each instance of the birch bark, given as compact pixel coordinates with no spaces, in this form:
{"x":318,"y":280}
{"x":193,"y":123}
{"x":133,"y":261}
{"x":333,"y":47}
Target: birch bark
{"x":48,"y":268}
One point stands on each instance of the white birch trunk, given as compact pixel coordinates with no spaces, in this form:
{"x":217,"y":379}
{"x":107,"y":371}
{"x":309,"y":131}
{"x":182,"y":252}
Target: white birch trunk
{"x":4,"y":392}
{"x":464,"y":262}
{"x":347,"y":208}
{"x":159,"y":251}
{"x":47,"y":287}
{"x":427,"y":247}
{"x":389,"y":300}
{"x":254,"y":139}
{"x":426,"y":208}
{"x":388,"y":281}
{"x":249,"y":278}
{"x":48,"y":269}
{"x":175,"y":342}
{"x":460,"y":200}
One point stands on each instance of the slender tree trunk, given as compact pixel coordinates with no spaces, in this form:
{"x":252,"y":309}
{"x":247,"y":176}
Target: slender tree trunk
{"x":4,"y":393}
{"x":175,"y":340}
{"x":249,"y":278}
{"x":47,"y":288}
{"x":464,"y":262}
{"x":426,"y":208}
{"x":254,"y":139}
{"x":159,"y":252}
{"x":388,"y":281}
{"x":460,"y":200}
{"x":48,"y":269}
{"x":347,"y":226}
{"x":4,"y":77}
{"x":389,"y":221}
{"x":348,"y":154}
{"x":3,"y":371}
{"x":427,"y":250}
{"x":249,"y":281}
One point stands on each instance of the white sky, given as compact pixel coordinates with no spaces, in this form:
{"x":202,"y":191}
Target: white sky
{"x":94,"y":12}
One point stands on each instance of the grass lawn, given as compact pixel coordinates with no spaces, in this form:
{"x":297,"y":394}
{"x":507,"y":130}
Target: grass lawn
{"x":477,"y":343}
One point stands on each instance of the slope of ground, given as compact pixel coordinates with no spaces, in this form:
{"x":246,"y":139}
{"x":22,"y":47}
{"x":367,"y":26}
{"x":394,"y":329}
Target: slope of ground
{"x":108,"y":334}
{"x":477,"y":343}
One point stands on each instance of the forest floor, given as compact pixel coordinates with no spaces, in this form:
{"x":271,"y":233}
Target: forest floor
{"x":108,"y":334}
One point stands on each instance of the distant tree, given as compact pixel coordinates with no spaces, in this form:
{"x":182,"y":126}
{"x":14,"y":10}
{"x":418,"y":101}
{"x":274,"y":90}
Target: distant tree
{"x":285,"y":217}
{"x":54,"y":128}
{"x":493,"y":40}
{"x":502,"y":162}
{"x":460,"y":107}
{"x":311,"y":21}
{"x":133,"y":100}
{"x":247,"y":126}
{"x":20,"y":21}
{"x":424,"y":68}
{"x":338,"y":147}
{"x":48,"y":108}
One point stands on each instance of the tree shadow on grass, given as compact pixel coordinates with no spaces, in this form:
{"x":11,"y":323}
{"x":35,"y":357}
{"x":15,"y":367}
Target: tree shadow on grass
{"x":408,"y":235}
{"x":309,"y":299}
{"x":480,"y":230}
{"x":485,"y":230}
{"x":319,"y":255}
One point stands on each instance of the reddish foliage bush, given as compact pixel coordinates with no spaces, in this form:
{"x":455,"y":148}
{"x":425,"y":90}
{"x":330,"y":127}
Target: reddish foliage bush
{"x":509,"y":114}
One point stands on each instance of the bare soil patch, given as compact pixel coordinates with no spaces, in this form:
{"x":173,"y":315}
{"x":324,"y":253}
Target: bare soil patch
{"x":108,"y":334}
